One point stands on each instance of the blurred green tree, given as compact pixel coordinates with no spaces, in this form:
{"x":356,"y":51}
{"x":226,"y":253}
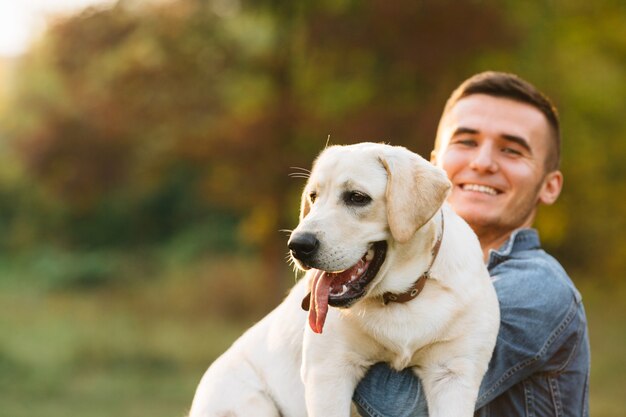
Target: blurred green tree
{"x":136,"y":124}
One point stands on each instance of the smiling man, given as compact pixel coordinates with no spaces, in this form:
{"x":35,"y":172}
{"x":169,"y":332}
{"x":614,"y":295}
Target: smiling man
{"x":499,"y":154}
{"x":499,"y":142}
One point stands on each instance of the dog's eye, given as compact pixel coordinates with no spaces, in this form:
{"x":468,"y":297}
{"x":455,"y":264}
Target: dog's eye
{"x":356,"y":198}
{"x":312,"y":196}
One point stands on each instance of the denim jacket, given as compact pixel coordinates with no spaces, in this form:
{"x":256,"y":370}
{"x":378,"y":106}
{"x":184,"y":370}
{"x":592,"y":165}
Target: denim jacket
{"x":540,"y":365}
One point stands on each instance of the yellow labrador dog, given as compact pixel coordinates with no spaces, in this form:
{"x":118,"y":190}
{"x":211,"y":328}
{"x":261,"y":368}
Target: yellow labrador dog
{"x":393,"y":275}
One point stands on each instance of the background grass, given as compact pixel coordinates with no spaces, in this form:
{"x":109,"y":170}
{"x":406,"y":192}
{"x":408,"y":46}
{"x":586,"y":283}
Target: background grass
{"x":140,"y":349}
{"x":131,"y":350}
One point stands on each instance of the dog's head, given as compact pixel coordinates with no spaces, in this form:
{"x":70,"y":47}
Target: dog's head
{"x":357,"y":199}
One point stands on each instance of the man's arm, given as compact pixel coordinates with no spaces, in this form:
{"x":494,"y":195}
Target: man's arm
{"x":538,"y":320}
{"x":538,"y":308}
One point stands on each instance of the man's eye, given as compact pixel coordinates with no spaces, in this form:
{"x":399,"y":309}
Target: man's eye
{"x":312,"y":197}
{"x":465,"y":142}
{"x":511,"y":151}
{"x":356,"y":198}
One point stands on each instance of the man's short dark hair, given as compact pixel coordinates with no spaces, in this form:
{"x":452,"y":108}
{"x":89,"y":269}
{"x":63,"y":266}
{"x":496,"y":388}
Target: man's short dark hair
{"x":505,"y":85}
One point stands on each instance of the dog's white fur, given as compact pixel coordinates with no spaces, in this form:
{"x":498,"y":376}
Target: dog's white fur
{"x":280,"y":367}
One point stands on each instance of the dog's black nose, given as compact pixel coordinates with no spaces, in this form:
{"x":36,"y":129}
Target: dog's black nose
{"x":303,"y":245}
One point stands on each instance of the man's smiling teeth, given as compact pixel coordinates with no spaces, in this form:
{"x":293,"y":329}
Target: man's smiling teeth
{"x":479,"y":188}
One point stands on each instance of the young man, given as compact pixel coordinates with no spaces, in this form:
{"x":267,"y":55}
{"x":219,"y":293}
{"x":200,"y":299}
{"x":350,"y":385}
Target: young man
{"x":499,"y":140}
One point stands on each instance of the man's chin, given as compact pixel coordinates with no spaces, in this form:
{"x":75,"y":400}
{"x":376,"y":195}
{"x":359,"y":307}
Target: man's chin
{"x":480,"y":218}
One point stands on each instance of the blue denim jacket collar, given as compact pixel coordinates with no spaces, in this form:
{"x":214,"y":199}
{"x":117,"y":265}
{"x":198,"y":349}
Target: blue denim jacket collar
{"x":520,"y":240}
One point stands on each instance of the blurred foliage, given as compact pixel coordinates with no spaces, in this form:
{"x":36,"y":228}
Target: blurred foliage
{"x":145,"y":150}
{"x":133,"y":124}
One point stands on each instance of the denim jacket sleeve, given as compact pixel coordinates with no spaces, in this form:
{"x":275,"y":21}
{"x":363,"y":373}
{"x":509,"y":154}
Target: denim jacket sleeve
{"x":540,"y":325}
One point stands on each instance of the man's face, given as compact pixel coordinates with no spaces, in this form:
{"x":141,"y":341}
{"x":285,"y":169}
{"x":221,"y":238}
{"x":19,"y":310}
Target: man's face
{"x":494,"y":151}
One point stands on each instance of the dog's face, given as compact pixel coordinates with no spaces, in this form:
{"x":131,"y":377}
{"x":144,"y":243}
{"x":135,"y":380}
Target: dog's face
{"x":343,"y":209}
{"x":356,"y":200}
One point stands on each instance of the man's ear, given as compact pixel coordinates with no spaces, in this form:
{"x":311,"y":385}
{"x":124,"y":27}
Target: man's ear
{"x":551,"y":188}
{"x":415,"y":191}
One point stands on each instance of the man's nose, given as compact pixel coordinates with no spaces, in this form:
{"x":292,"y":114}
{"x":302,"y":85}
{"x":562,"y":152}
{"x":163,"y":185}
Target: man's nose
{"x":483,"y":160}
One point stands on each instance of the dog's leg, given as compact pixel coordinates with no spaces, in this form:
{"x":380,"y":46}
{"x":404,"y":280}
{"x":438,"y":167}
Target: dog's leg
{"x":234,"y":387}
{"x":330,"y":374}
{"x":451,"y":387}
{"x":329,"y":394}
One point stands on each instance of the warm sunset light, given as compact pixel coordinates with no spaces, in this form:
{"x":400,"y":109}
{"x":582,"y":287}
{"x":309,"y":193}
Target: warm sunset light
{"x":22,"y":21}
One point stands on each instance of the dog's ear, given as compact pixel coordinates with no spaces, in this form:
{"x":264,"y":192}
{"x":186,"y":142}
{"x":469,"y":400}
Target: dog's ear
{"x":416,"y":189}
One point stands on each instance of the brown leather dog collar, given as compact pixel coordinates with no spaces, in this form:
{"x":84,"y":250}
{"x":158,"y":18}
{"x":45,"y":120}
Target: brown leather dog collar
{"x":418,"y":286}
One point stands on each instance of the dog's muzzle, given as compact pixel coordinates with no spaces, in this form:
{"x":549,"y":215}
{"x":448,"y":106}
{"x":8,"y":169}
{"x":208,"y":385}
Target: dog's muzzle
{"x":342,"y":288}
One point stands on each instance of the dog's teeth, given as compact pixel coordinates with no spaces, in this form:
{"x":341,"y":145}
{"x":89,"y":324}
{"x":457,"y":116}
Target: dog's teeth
{"x":344,"y":289}
{"x":370,"y":255}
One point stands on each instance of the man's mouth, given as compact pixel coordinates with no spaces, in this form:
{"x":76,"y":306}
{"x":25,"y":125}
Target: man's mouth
{"x":342,"y":288}
{"x":485,"y":189}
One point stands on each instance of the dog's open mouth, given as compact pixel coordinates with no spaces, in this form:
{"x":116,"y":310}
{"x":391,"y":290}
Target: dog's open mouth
{"x":342,"y":289}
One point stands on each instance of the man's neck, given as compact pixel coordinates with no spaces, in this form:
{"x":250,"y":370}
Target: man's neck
{"x":494,"y":238}
{"x":492,"y":242}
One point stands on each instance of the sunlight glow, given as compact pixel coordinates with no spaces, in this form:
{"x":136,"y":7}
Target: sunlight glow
{"x":21,"y":21}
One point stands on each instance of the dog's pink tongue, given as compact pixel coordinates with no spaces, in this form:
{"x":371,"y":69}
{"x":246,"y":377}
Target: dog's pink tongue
{"x":318,"y":309}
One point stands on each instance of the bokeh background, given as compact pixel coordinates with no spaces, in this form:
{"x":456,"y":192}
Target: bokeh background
{"x":145,"y":152}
